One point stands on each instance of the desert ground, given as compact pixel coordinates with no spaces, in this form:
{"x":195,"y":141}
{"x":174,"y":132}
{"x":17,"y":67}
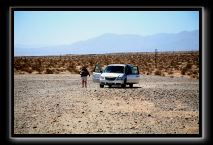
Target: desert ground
{"x":56,"y":104}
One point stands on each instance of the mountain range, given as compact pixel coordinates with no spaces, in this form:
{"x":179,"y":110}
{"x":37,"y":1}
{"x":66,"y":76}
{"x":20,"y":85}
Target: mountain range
{"x":114,"y":43}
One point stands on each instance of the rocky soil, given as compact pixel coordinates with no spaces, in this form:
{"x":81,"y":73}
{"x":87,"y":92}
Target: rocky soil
{"x":56,"y":104}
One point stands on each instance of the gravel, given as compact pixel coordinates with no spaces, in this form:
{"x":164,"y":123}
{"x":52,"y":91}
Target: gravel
{"x":56,"y":104}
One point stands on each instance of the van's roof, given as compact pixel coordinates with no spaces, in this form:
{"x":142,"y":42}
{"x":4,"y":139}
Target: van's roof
{"x":119,"y":64}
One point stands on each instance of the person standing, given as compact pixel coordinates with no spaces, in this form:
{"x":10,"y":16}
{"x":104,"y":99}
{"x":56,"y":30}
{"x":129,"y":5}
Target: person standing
{"x":84,"y":73}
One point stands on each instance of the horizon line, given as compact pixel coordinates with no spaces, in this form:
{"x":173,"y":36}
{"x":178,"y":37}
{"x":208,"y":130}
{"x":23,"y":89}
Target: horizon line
{"x":145,"y":52}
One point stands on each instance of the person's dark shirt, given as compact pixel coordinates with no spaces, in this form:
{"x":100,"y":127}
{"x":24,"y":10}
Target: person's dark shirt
{"x":84,"y":73}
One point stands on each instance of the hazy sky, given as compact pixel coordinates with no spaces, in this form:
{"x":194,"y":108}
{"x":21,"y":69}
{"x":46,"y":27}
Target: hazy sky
{"x":49,"y":28}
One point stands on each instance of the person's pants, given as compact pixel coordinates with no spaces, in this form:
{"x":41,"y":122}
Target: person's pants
{"x":84,"y":78}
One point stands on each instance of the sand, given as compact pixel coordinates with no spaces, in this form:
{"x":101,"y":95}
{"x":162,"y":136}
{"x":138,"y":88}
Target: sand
{"x":56,"y":104}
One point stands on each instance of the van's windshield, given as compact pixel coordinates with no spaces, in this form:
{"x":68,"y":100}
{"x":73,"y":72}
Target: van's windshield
{"x":114,"y":69}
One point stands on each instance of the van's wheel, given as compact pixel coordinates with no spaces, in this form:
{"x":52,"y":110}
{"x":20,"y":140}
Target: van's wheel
{"x":110,"y":86}
{"x":130,"y":85}
{"x":124,"y":84}
{"x":101,"y":86}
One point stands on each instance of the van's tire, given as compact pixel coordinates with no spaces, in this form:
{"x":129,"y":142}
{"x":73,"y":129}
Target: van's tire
{"x":101,"y":86}
{"x":130,"y":85}
{"x":124,"y":84}
{"x":110,"y":86}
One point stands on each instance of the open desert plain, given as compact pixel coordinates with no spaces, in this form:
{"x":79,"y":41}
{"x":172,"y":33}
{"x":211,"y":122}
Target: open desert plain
{"x":48,"y":98}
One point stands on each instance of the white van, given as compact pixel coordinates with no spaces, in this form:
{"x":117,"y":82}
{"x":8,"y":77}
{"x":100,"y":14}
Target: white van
{"x":116,"y":74}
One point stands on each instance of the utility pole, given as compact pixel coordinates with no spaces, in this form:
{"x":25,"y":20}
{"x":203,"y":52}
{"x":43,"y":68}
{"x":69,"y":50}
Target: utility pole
{"x":156,"y":51}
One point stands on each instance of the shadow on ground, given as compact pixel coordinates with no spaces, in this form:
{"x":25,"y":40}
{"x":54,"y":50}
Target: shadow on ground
{"x":118,"y":87}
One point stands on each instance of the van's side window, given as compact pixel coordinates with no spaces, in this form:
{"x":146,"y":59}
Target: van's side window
{"x":135,"y":70}
{"x":97,"y":69}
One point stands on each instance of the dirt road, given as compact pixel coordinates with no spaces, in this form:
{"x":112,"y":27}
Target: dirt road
{"x":56,"y":104}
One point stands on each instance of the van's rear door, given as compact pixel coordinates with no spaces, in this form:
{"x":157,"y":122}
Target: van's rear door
{"x":96,"y":73}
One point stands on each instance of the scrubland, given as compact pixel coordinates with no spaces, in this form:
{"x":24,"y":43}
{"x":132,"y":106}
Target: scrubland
{"x":163,"y":64}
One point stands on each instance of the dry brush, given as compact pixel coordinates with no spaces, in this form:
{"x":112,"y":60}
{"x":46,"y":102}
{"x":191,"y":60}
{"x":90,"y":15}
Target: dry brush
{"x":183,"y":63}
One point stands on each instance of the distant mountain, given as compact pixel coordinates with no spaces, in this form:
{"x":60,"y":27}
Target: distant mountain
{"x":113,"y":43}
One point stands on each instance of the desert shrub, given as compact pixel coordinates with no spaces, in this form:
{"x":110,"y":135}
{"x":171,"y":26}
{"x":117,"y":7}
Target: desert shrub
{"x":150,"y":71}
{"x":173,"y":63}
{"x":73,"y":69}
{"x":193,"y":76}
{"x":190,"y":73}
{"x":49,"y":71}
{"x":183,"y":71}
{"x":29,"y":70}
{"x":158,"y":72}
{"x":26,"y":69}
{"x":40,"y":70}
{"x":55,"y":71}
{"x":34,"y":67}
{"x":76,"y":71}
{"x":17,"y":66}
{"x":187,"y":69}
{"x":141,"y":72}
{"x":195,"y":72}
{"x":188,"y":66}
{"x":170,"y":72}
{"x":70,"y":68}
{"x":38,"y":66}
